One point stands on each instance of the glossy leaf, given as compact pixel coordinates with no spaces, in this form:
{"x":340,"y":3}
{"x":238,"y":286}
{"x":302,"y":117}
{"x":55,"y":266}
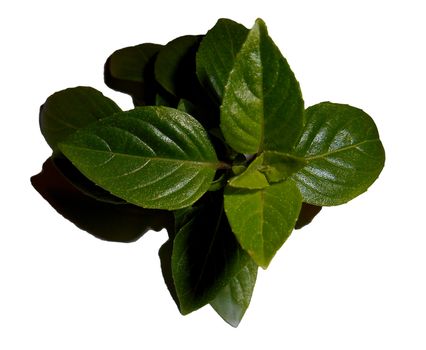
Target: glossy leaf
{"x":262,"y":106}
{"x":233,"y":300}
{"x":111,"y":222}
{"x":343,"y":152}
{"x":216,"y":55}
{"x":251,"y":178}
{"x":206,"y":255}
{"x":154,"y":157}
{"x":263,"y":219}
{"x":71,"y":109}
{"x":131,"y":70}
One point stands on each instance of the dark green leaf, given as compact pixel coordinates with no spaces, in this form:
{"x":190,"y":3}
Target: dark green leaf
{"x":216,"y":55}
{"x":165,"y":254}
{"x":263,"y":219}
{"x":262,"y":106}
{"x":131,"y":70}
{"x":175,"y":66}
{"x":343,"y":152}
{"x":111,"y":222}
{"x":175,"y":72}
{"x":155,"y":157}
{"x":199,"y":112}
{"x":71,"y":109}
{"x":206,"y":255}
{"x":233,"y":300}
{"x":181,"y":217}
{"x":163,"y":98}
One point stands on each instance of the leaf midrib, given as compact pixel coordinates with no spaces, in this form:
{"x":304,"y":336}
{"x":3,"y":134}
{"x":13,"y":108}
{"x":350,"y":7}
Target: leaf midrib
{"x":209,"y":164}
{"x":323,"y":155}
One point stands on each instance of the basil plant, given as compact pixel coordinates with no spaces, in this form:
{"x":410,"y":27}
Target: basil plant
{"x":219,"y":150}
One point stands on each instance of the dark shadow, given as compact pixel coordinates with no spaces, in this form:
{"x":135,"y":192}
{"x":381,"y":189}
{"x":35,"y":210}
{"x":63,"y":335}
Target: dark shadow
{"x":307,"y":214}
{"x":107,"y":221}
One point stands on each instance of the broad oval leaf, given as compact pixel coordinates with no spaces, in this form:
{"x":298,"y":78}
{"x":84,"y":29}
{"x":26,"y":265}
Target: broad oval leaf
{"x":263,"y":219}
{"x":262,"y":107}
{"x":111,"y":222}
{"x":131,"y":70}
{"x":216,"y":55}
{"x":154,"y":157}
{"x":71,"y":109}
{"x":233,"y":300}
{"x":206,"y":255}
{"x":343,"y":152}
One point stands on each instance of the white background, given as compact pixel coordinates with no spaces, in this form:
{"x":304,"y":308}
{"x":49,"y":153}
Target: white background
{"x":353,"y":279}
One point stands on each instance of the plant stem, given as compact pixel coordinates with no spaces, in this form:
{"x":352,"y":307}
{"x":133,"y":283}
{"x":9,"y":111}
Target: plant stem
{"x":223,"y":165}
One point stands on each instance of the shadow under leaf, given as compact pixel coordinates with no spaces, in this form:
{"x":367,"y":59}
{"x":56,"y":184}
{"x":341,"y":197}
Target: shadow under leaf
{"x":307,"y":214}
{"x":107,"y":221}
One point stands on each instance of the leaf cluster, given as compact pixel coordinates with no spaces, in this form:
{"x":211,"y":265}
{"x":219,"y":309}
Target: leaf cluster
{"x":219,"y":150}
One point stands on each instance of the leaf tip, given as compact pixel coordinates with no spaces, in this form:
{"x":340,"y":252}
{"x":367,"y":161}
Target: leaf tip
{"x":260,"y":24}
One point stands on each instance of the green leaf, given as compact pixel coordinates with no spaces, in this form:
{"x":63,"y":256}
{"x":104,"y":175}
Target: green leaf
{"x":175,"y":72}
{"x":131,"y":70}
{"x":71,"y":109}
{"x":343,"y":152}
{"x":251,"y":178}
{"x":165,"y":253}
{"x":262,"y":106}
{"x":216,"y":55}
{"x":110,"y":222}
{"x":218,"y":183}
{"x":154,"y":157}
{"x":181,"y":217}
{"x":263,"y":219}
{"x":175,"y":66}
{"x":278,"y":166}
{"x":206,"y":255}
{"x":233,"y":300}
